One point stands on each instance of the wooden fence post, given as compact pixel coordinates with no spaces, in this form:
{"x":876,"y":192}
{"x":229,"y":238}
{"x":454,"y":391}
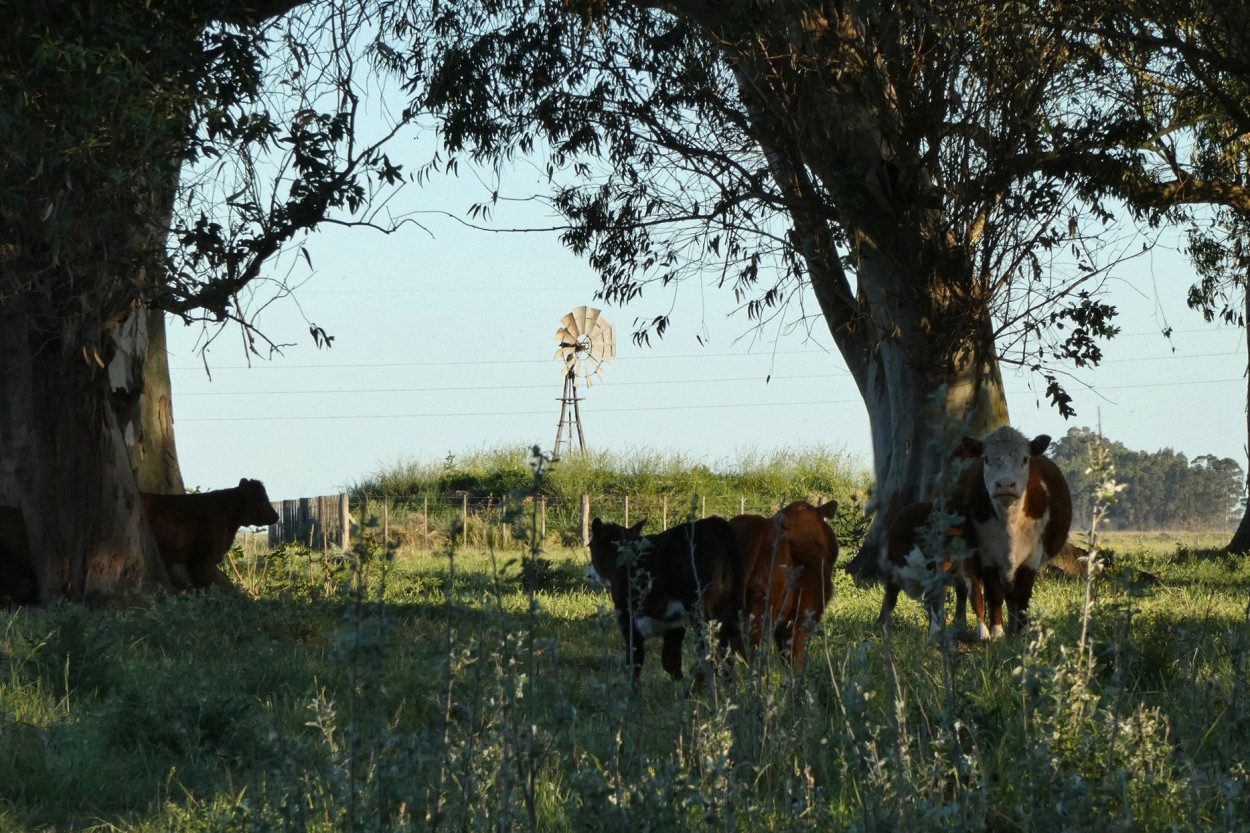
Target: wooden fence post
{"x":323,"y":515}
{"x":742,"y":504}
{"x":345,"y":523}
{"x":275,"y":530}
{"x":585,"y":520}
{"x":626,"y":510}
{"x":305,"y":533}
{"x":664,"y":512}
{"x":543,"y":536}
{"x":702,"y":506}
{"x":464,"y":516}
{"x":425,"y":523}
{"x":386,"y":524}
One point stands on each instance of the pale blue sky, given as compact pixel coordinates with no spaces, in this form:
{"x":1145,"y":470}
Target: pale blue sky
{"x":444,"y":342}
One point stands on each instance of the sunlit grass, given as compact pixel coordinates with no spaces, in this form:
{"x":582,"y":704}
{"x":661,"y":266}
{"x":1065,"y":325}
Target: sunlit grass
{"x":320,"y":701}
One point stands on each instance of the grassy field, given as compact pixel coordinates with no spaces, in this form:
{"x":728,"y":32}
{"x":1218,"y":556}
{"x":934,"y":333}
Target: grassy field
{"x":433,"y":692}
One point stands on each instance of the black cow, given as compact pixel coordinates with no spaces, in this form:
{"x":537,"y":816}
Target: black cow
{"x":657,"y":581}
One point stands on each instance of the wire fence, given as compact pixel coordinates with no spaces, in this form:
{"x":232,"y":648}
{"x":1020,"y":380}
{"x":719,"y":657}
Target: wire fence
{"x":437,"y":521}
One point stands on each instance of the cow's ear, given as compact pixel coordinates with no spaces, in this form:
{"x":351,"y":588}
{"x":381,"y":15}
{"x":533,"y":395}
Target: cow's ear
{"x":243,"y":481}
{"x":828,"y":510}
{"x":596,"y":526}
{"x":637,"y":528}
{"x":1039,"y":445}
{"x":970,"y":447}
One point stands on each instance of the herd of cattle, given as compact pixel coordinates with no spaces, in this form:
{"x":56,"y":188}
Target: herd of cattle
{"x":1008,"y":512}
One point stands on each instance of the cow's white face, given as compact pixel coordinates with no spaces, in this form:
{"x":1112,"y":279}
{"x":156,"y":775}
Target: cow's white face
{"x":1005,"y":455}
{"x":592,"y":576}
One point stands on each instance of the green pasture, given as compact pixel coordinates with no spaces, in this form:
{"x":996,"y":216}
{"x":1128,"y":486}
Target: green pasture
{"x":432,"y":691}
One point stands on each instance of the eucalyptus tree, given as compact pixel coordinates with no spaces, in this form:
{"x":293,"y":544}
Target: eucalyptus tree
{"x":106,"y":103}
{"x":913,"y":164}
{"x":1188,"y":63}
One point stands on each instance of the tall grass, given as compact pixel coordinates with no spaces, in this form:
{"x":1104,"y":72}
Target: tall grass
{"x":643,"y":472}
{"x":441,"y":694}
{"x":372,"y":691}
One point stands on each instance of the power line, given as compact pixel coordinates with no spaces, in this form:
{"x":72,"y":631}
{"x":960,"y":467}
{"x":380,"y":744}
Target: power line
{"x":462,"y":388}
{"x":268,"y":366}
{"x":697,"y":407}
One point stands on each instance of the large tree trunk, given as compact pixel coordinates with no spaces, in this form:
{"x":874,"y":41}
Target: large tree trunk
{"x":915,"y":434}
{"x":1241,"y":538}
{"x":924,"y":389}
{"x":64,"y":464}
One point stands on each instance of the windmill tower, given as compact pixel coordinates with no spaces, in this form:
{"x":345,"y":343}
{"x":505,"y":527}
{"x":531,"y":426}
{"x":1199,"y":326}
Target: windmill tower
{"x":587,"y":343}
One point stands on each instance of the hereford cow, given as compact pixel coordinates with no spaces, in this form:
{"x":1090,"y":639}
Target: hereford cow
{"x":657,"y":581}
{"x":1013,"y":510}
{"x":18,"y":584}
{"x":788,"y":566}
{"x":196,"y":531}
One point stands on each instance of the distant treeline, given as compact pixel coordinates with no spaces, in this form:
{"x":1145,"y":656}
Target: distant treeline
{"x":1162,"y":489}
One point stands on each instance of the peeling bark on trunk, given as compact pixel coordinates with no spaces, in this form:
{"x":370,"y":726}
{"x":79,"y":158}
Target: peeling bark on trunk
{"x":139,"y":377}
{"x":64,"y":464}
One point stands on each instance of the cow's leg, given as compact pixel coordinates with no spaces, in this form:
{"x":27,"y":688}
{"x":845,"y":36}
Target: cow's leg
{"x":210,"y":575}
{"x":729,"y":638}
{"x":885,"y":617}
{"x":992,"y":579}
{"x":978,"y":606}
{"x":935,"y":603}
{"x":670,"y":654}
{"x":784,"y":636}
{"x":961,"y":604}
{"x":1018,"y":599}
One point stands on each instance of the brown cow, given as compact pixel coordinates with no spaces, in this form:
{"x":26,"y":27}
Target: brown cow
{"x":788,"y":563}
{"x":1015,"y":511}
{"x":18,"y":583}
{"x":659,"y":580}
{"x":196,"y":531}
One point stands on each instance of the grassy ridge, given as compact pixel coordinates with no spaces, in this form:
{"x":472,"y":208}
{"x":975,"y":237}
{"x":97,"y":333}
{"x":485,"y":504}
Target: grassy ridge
{"x":432,"y":693}
{"x":640,"y":472}
{"x":423,"y":504}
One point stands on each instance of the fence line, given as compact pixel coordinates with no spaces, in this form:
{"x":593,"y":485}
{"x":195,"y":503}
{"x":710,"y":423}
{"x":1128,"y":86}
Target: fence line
{"x":431,"y":521}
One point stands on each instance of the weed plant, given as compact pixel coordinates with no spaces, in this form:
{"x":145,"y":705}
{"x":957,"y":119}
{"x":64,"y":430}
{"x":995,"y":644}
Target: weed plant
{"x":377,"y":691}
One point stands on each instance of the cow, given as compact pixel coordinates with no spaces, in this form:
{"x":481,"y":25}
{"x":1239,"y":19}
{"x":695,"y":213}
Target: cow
{"x":788,"y":567}
{"x":691,"y":571}
{"x":1010,"y":510}
{"x":18,"y":583}
{"x":194,"y":532}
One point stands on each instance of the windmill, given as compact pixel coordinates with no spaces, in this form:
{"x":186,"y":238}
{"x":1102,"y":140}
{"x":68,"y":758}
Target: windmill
{"x":587,"y":343}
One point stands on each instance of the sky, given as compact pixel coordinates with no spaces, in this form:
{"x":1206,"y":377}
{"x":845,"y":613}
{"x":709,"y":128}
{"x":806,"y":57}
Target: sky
{"x":444,"y":343}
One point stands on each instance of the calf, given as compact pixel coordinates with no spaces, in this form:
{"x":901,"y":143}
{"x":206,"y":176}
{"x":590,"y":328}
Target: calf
{"x":1013,"y":511}
{"x":196,"y":531}
{"x":657,"y":581}
{"x":788,"y":566}
{"x":18,"y":584}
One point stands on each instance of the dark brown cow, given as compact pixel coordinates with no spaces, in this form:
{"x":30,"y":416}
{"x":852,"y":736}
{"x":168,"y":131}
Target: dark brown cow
{"x":658,"y":581}
{"x":196,"y":531}
{"x":1015,"y":510}
{"x":18,"y":584}
{"x":788,"y":563}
